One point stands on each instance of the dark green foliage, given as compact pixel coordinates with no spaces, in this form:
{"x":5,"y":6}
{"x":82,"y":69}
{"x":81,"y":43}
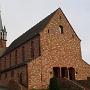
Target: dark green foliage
{"x":54,"y":84}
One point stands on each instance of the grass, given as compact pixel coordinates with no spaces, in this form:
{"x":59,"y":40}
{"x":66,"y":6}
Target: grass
{"x":39,"y":89}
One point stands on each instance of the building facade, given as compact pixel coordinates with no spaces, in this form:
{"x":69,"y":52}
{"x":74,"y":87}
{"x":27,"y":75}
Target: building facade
{"x":50,"y":48}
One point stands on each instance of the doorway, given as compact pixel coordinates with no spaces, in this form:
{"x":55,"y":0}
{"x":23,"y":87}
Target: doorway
{"x":71,"y":73}
{"x":64,"y":72}
{"x":56,"y":72}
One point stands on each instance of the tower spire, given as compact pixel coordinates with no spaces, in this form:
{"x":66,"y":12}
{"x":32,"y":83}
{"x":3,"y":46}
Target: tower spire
{"x":3,"y":34}
{"x":1,"y":26}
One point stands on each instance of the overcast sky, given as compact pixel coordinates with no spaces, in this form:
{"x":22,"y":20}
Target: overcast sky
{"x":20,"y":15}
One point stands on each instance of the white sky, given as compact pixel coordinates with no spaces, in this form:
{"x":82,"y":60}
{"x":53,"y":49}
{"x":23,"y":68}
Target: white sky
{"x":20,"y":15}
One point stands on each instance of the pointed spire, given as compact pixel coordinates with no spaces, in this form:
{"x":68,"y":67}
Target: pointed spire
{"x":4,"y":29}
{"x":1,"y":27}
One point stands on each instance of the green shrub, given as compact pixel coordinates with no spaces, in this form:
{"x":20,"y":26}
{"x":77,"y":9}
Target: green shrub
{"x":54,"y":84}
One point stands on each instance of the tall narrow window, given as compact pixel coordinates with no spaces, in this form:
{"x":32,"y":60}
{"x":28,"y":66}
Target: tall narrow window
{"x":0,"y":76}
{"x":16,"y":57}
{"x":12,"y":73}
{"x":5,"y":62}
{"x":60,"y":17}
{"x":1,"y":35}
{"x":5,"y":75}
{"x":23,"y":53}
{"x":61,"y":29}
{"x":48,"y":30}
{"x":10,"y":60}
{"x":37,"y":46}
{"x":39,"y":49}
{"x":21,"y":78}
{"x":32,"y":49}
{"x":0,"y":66}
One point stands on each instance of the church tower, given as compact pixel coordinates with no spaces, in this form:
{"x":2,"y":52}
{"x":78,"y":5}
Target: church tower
{"x":3,"y":34}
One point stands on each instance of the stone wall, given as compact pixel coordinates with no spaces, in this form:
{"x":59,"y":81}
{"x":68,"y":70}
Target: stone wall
{"x":16,"y":61}
{"x":7,"y":77}
{"x":57,"y":50}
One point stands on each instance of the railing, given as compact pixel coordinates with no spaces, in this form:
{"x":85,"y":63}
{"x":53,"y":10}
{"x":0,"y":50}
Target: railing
{"x":76,"y":84}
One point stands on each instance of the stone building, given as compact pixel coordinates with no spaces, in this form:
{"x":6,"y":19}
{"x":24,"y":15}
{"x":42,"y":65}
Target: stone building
{"x":49,"y":48}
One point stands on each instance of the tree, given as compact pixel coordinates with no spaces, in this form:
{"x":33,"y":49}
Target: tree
{"x":54,"y":84}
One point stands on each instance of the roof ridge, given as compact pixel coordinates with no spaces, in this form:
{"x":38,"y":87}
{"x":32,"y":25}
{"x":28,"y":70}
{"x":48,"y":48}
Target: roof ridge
{"x":29,"y":34}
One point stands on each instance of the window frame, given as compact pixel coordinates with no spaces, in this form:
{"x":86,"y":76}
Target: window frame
{"x":61,"y":29}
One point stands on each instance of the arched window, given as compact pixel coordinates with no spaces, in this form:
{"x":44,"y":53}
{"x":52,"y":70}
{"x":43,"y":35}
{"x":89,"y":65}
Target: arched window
{"x":61,"y":29}
{"x":48,"y":30}
{"x":21,"y":77}
{"x":56,"y":72}
{"x":5,"y":75}
{"x":0,"y":77}
{"x":12,"y":73}
{"x":10,"y":60}
{"x":16,"y":57}
{"x":64,"y":72}
{"x":5,"y":62}
{"x":23,"y":53}
{"x":0,"y":35}
{"x":0,"y":65}
{"x":32,"y":49}
{"x":71,"y":73}
{"x":35,"y":47}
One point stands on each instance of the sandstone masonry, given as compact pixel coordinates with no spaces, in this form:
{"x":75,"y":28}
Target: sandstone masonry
{"x":49,"y":48}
